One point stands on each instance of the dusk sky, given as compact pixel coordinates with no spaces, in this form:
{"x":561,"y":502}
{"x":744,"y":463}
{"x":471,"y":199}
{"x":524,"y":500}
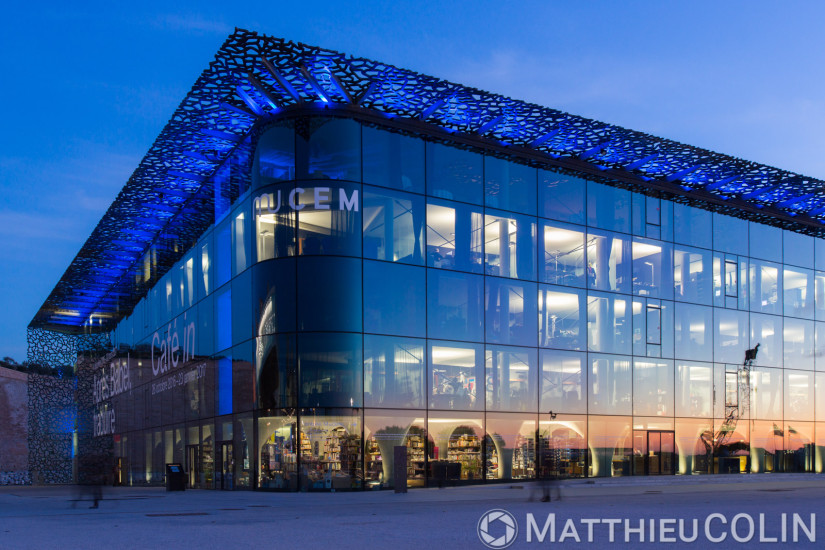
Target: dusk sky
{"x":87,"y":88}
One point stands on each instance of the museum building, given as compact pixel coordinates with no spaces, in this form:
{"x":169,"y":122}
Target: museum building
{"x":322,"y":258}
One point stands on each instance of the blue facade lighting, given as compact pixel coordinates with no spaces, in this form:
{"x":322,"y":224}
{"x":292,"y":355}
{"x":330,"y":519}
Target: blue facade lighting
{"x":256,"y":77}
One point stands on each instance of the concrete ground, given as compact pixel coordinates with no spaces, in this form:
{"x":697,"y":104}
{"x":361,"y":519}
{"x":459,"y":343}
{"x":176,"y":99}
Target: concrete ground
{"x":50,"y":517}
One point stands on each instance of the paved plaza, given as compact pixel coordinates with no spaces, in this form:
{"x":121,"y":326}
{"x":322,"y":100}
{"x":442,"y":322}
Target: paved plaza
{"x":38,"y":517}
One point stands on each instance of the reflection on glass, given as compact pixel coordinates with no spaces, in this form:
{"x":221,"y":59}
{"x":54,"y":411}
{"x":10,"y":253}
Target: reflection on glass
{"x":563,"y":382}
{"x":692,"y":276}
{"x":561,"y":318}
{"x":276,"y":371}
{"x":767,"y":444}
{"x":393,"y":227}
{"x":454,"y":238}
{"x":611,"y":444}
{"x":393,"y":372}
{"x":510,"y":446}
{"x":693,"y":453}
{"x":330,"y":447}
{"x":767,"y":393}
{"x":510,"y":246}
{"x":330,"y":148}
{"x":393,"y":160}
{"x":331,"y":370}
{"x":799,"y":395}
{"x":608,"y":323}
{"x":455,"y":373}
{"x":275,"y":155}
{"x":764,"y":284}
{"x":563,"y":255}
{"x":383,"y":431}
{"x":454,"y":305}
{"x":766,"y":330}
{"x":510,"y":312}
{"x":392,"y":299}
{"x":799,"y":344}
{"x":694,"y":332}
{"x":561,"y":197}
{"x":608,"y":262}
{"x":730,"y":335}
{"x":610,"y":385}
{"x":454,"y":174}
{"x":798,"y":296}
{"x":652,"y":387}
{"x":608,"y":207}
{"x":511,"y":377}
{"x":509,"y":186}
{"x":800,"y":452}
{"x":562,"y":446}
{"x":694,"y":389}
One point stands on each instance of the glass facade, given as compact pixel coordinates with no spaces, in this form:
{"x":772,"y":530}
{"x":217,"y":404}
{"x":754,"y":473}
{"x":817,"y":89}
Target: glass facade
{"x":372,"y":290}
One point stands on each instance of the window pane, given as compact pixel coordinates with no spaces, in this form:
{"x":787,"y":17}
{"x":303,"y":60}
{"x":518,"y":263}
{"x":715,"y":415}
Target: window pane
{"x":329,"y":219}
{"x":608,"y":207}
{"x":510,"y":186}
{"x":561,"y":197}
{"x":766,"y":330}
{"x":455,"y":238}
{"x":240,"y":243}
{"x":767,"y":394}
{"x":457,"y":439}
{"x":694,"y":226}
{"x":510,"y":446}
{"x":329,"y":294}
{"x":393,"y":226}
{"x":819,"y":295}
{"x":694,"y":389}
{"x":799,"y":395}
{"x":331,"y":370}
{"x":798,"y":248}
{"x":455,"y":372}
{"x":652,"y":269}
{"x":562,"y":445}
{"x":393,"y":160}
{"x":608,"y":262}
{"x":454,"y":174}
{"x":798,"y":296}
{"x":765,"y":284}
{"x":320,"y":435}
{"x":275,"y":155}
{"x":277,"y":371}
{"x":563,"y":254}
{"x":692,"y":275}
{"x":393,"y":372}
{"x":765,"y":242}
{"x":511,"y":312}
{"x":694,"y":332}
{"x":387,"y":429}
{"x":652,"y":387}
{"x":730,"y":234}
{"x":512,"y":375}
{"x":273,"y":284}
{"x":563,"y":382}
{"x":223,"y":254}
{"x":608,"y":324}
{"x":730,"y":335}
{"x":330,"y":149}
{"x":274,"y":223}
{"x":392,"y":299}
{"x":510,"y":246}
{"x":799,"y":344}
{"x":454,"y":305}
{"x":610,"y":385}
{"x":562,"y":318}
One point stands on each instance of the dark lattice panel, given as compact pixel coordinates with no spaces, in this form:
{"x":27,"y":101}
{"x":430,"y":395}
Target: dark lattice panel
{"x":52,"y":418}
{"x":53,"y":349}
{"x":168,"y":201}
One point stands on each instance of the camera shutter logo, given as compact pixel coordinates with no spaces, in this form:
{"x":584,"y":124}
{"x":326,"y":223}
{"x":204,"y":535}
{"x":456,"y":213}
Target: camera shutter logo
{"x":489,"y":529}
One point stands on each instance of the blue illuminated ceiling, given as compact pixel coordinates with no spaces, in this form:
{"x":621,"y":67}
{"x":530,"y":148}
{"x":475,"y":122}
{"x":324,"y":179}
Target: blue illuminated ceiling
{"x":167,"y":203}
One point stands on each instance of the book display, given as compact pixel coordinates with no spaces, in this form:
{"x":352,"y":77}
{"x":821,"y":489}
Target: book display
{"x":331,"y":459}
{"x":465,"y":449}
{"x":278,"y":461}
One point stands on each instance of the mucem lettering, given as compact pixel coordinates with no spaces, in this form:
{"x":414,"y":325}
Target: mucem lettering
{"x":271,"y":203}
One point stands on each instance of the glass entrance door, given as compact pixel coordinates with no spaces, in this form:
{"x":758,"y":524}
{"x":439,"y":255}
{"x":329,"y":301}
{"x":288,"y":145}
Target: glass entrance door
{"x":193,"y":465}
{"x":226,"y":466}
{"x":660,"y":451}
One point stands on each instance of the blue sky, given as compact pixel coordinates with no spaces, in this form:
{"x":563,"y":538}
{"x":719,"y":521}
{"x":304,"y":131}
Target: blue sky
{"x":85,"y":89}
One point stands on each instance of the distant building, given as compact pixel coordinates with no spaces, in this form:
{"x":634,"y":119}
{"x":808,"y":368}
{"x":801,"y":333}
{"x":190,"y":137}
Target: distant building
{"x":324,"y":257}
